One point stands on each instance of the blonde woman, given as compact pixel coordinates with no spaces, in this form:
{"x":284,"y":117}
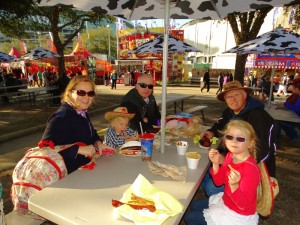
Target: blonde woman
{"x":71,"y":124}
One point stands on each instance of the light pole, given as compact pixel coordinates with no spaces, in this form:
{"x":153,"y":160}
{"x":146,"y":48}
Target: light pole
{"x":109,"y":56}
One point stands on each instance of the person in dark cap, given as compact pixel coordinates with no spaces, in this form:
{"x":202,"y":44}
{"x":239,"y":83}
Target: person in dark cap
{"x":242,"y":106}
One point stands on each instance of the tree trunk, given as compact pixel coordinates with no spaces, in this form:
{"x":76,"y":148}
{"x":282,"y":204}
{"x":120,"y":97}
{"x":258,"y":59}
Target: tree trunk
{"x":245,"y":27}
{"x":240,"y":63}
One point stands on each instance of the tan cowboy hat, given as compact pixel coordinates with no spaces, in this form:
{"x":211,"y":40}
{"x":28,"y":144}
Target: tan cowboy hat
{"x":266,"y":192}
{"x":118,"y":112}
{"x":233,"y":85}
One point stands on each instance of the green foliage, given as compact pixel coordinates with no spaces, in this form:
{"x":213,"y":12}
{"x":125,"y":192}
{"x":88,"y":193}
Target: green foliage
{"x":287,"y":12}
{"x":96,"y":41}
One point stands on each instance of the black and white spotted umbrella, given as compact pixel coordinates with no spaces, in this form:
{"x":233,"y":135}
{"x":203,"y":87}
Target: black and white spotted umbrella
{"x":5,"y":58}
{"x":275,"y":41}
{"x":179,"y":9}
{"x":39,"y":53}
{"x":166,"y":9}
{"x":156,"y":46}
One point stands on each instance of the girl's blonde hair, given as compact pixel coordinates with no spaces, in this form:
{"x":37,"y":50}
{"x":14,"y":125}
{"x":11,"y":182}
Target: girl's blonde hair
{"x":66,"y":96}
{"x":247,"y":130}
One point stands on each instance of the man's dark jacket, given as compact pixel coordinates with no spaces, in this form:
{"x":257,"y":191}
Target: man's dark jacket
{"x":136,"y":104}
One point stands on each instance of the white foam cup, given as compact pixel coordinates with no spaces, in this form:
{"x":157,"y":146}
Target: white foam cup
{"x":182,"y":147}
{"x":192,"y":159}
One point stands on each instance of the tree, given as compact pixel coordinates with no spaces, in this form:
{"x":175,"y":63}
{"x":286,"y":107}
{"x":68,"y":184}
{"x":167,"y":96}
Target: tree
{"x":245,"y":27}
{"x":97,"y":41}
{"x":293,"y":12}
{"x":52,"y":18}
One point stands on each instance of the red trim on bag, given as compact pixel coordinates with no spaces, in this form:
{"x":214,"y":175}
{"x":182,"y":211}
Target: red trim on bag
{"x":45,"y":143}
{"x":50,"y":161}
{"x":90,"y":166}
{"x":24,"y":184}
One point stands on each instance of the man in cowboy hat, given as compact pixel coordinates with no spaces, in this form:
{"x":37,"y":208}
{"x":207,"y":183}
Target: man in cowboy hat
{"x":242,"y":106}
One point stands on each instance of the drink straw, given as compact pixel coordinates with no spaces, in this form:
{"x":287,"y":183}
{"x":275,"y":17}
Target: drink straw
{"x":141,"y":128}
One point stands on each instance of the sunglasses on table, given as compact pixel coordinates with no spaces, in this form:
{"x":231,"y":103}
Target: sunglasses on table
{"x":231,"y":138}
{"x":84,"y":93}
{"x":143,"y":85}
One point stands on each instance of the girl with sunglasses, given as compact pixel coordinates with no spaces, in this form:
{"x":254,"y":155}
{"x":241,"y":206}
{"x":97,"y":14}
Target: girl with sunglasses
{"x":240,"y":176}
{"x":71,"y":124}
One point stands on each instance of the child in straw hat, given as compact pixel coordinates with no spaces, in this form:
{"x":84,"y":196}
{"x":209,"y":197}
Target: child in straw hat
{"x":118,"y":132}
{"x":240,"y":176}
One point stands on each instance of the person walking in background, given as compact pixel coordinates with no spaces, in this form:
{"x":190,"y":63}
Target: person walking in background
{"x":35,"y":79}
{"x":240,"y":175}
{"x":283,"y":85}
{"x":132,"y":78}
{"x":114,"y":78}
{"x":220,"y":82}
{"x":230,"y":77}
{"x":30,"y":79}
{"x":40,"y":77}
{"x":226,"y":78}
{"x":206,"y":80}
{"x":71,"y":124}
{"x":250,"y":80}
{"x":140,"y":100}
{"x":106,"y":79}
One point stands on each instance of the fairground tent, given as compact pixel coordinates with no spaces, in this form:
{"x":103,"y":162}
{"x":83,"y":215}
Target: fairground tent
{"x":14,"y":52}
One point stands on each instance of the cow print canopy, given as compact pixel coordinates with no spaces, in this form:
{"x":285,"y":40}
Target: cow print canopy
{"x":39,"y":53}
{"x":179,"y":9}
{"x":5,"y":57}
{"x":277,"y":41}
{"x":156,"y":46}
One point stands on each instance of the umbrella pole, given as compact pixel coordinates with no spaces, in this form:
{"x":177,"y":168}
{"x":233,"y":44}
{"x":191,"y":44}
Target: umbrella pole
{"x":272,"y":81}
{"x":164,"y":77}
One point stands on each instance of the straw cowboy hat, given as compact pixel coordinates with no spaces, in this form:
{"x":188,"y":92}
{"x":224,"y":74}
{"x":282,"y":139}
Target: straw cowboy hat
{"x":233,"y":85}
{"x":118,"y":112}
{"x":266,"y":192}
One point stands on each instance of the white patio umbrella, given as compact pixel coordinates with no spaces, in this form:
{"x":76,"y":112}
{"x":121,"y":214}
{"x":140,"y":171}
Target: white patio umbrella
{"x":166,"y":9}
{"x":275,"y":41}
{"x":39,"y":53}
{"x":5,"y":57}
{"x":156,"y":46}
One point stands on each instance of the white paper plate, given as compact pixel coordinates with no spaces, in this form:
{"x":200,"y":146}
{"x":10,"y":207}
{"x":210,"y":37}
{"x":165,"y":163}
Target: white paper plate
{"x":131,"y":143}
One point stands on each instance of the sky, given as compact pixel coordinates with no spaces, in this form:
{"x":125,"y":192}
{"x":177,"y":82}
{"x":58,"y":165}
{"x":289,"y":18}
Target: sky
{"x":160,"y":23}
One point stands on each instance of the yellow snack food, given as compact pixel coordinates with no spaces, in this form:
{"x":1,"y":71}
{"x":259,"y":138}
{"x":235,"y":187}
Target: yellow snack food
{"x":230,"y":167}
{"x":193,"y":155}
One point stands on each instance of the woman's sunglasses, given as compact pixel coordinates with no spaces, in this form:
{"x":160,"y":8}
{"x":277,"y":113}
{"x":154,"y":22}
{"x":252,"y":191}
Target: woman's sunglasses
{"x":238,"y":139}
{"x":143,"y":85}
{"x":84,"y":93}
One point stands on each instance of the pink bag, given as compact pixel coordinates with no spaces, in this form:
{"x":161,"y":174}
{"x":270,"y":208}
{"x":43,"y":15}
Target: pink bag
{"x":39,"y":168}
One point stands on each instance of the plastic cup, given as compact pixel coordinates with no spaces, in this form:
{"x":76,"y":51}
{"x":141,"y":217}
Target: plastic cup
{"x":192,"y":159}
{"x":146,"y":146}
{"x":182,"y":147}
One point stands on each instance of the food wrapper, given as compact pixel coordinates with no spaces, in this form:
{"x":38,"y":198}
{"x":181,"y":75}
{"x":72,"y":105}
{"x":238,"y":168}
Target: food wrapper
{"x":165,"y":204}
{"x":178,"y":174}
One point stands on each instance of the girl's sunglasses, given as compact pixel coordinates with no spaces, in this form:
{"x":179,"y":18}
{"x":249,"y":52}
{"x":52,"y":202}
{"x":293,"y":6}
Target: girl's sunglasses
{"x":143,"y":85}
{"x":238,"y":139}
{"x":84,"y":93}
